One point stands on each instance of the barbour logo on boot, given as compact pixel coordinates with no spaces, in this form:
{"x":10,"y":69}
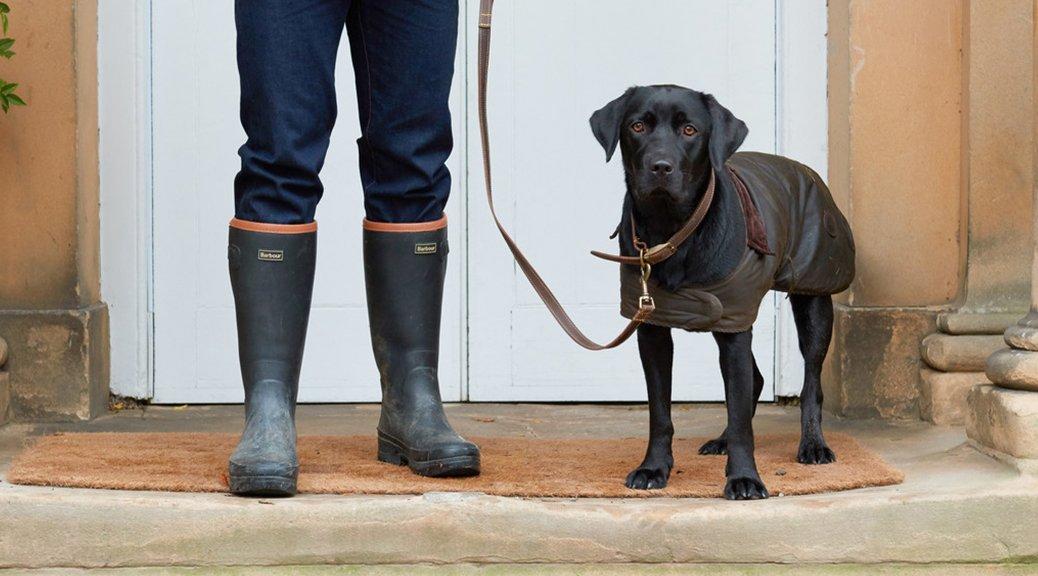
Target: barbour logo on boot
{"x":271,"y":255}
{"x":426,"y":248}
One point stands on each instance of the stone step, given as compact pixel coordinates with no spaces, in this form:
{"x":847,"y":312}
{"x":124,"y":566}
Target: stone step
{"x":564,"y":570}
{"x":955,"y":506}
{"x":92,"y":529}
{"x":942,"y":395}
{"x":949,"y":353}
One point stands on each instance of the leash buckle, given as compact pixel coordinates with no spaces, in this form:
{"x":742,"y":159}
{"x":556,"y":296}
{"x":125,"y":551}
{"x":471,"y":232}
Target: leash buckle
{"x":666,"y":248}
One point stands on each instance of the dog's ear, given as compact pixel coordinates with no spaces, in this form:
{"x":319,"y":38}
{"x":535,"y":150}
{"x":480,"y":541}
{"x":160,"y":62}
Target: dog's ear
{"x":726,"y":133}
{"x":605,"y":123}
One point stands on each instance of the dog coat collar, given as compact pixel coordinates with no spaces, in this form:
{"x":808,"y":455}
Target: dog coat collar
{"x":661,"y":252}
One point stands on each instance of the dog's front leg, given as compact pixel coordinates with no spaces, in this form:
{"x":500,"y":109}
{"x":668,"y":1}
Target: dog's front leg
{"x":656,"y":348}
{"x":743,"y":480}
{"x":719,"y":445}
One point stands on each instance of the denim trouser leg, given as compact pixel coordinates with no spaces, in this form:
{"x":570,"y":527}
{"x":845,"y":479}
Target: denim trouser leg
{"x":403,"y":60}
{"x":403,"y":55}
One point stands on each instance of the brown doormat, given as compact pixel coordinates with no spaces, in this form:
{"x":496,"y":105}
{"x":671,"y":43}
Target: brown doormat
{"x":511,"y":466}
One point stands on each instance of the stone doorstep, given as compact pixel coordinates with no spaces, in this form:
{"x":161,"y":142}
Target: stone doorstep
{"x":84,"y":528}
{"x":956,"y":506}
{"x":942,"y":395}
{"x":562,"y":570}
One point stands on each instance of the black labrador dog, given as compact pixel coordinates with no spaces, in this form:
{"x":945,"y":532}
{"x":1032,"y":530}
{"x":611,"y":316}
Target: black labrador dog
{"x":673,"y":141}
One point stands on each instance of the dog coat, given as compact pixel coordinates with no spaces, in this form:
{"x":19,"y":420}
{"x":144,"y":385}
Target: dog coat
{"x":808,"y":250}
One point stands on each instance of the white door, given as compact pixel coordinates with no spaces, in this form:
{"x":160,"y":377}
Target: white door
{"x":196,"y":136}
{"x":553,"y":64}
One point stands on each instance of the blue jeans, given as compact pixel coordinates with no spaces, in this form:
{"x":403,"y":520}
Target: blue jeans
{"x":403,"y":60}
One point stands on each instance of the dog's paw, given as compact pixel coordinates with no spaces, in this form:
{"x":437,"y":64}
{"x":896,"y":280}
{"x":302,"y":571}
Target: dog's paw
{"x":716,"y":447}
{"x":815,"y":451}
{"x":648,"y":478}
{"x":745,"y":488}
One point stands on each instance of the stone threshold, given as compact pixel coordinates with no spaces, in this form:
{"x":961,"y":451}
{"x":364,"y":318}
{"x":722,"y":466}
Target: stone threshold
{"x":956,"y":506}
{"x":560,"y":570}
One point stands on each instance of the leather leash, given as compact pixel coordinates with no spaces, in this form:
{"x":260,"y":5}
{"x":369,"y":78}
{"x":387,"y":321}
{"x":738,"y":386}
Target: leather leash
{"x":647,"y":256}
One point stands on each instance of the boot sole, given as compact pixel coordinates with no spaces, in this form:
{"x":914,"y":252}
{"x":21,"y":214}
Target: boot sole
{"x":453,"y":467}
{"x":263,"y":485}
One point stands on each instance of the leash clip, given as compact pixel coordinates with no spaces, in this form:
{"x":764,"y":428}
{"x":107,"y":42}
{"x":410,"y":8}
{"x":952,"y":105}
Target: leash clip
{"x":646,"y":305}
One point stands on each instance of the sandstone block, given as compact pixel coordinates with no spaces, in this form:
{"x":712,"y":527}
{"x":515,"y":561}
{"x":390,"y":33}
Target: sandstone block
{"x":1004,"y":420}
{"x":949,"y":353}
{"x":1017,"y":369}
{"x":960,"y":323}
{"x":942,"y":395}
{"x":5,"y":397}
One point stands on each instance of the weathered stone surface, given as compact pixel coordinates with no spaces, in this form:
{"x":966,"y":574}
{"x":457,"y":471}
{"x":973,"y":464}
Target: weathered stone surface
{"x":942,"y":395}
{"x":949,"y":353}
{"x":58,"y":362}
{"x":5,"y":397}
{"x":956,"y":505}
{"x":3,"y":353}
{"x":907,"y":205}
{"x":960,"y":323}
{"x":1022,"y":337}
{"x":872,"y":370}
{"x":1004,"y":420}
{"x":1016,"y":369}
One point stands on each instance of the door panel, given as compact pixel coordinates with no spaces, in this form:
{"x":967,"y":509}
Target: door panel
{"x":553,"y":64}
{"x":196,"y":137}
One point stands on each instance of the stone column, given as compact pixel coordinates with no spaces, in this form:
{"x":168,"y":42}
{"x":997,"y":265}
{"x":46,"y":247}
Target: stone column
{"x":895,"y":76}
{"x":1003,"y":417}
{"x":51,"y":313}
{"x":997,"y":174}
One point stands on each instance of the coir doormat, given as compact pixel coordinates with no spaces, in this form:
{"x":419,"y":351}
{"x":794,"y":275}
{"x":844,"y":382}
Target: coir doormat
{"x":511,"y":466}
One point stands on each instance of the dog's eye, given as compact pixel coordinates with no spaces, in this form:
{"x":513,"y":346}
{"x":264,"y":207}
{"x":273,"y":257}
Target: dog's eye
{"x":638,"y":127}
{"x":689,"y":130}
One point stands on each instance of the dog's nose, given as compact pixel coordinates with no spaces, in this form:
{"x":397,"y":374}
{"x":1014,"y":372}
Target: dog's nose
{"x":662,"y":167}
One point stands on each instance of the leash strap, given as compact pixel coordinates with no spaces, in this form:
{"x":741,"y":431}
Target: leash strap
{"x":646,"y":305}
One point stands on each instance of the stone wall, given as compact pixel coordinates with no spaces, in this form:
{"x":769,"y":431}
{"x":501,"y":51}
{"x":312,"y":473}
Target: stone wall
{"x":51,"y":314}
{"x":930,"y":139}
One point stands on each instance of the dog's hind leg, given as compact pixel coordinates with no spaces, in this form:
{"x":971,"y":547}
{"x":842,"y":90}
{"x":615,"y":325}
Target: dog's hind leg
{"x":656,"y":348}
{"x":814,"y":320}
{"x":719,"y":445}
{"x":743,"y":480}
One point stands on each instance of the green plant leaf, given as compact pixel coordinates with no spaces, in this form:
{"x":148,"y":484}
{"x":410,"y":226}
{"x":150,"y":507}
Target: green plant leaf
{"x":7,"y":88}
{"x":4,"y":105}
{"x":4,"y":8}
{"x":3,"y":21}
{"x":6,"y":43}
{"x":15,"y":100}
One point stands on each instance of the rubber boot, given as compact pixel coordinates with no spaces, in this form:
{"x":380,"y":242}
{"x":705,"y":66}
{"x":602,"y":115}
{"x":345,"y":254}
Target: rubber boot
{"x":404,"y":268}
{"x":272,"y":277}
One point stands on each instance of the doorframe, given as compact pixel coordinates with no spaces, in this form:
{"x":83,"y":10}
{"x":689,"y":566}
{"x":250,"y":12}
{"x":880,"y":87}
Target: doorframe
{"x":801,"y":89}
{"x":126,"y":152}
{"x":124,"y":52}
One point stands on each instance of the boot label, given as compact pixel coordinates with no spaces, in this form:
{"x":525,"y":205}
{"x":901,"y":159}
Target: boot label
{"x":270,"y":255}
{"x":426,"y":248}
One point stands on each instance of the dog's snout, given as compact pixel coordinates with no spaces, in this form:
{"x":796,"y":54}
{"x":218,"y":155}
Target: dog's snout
{"x":662,"y":168}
